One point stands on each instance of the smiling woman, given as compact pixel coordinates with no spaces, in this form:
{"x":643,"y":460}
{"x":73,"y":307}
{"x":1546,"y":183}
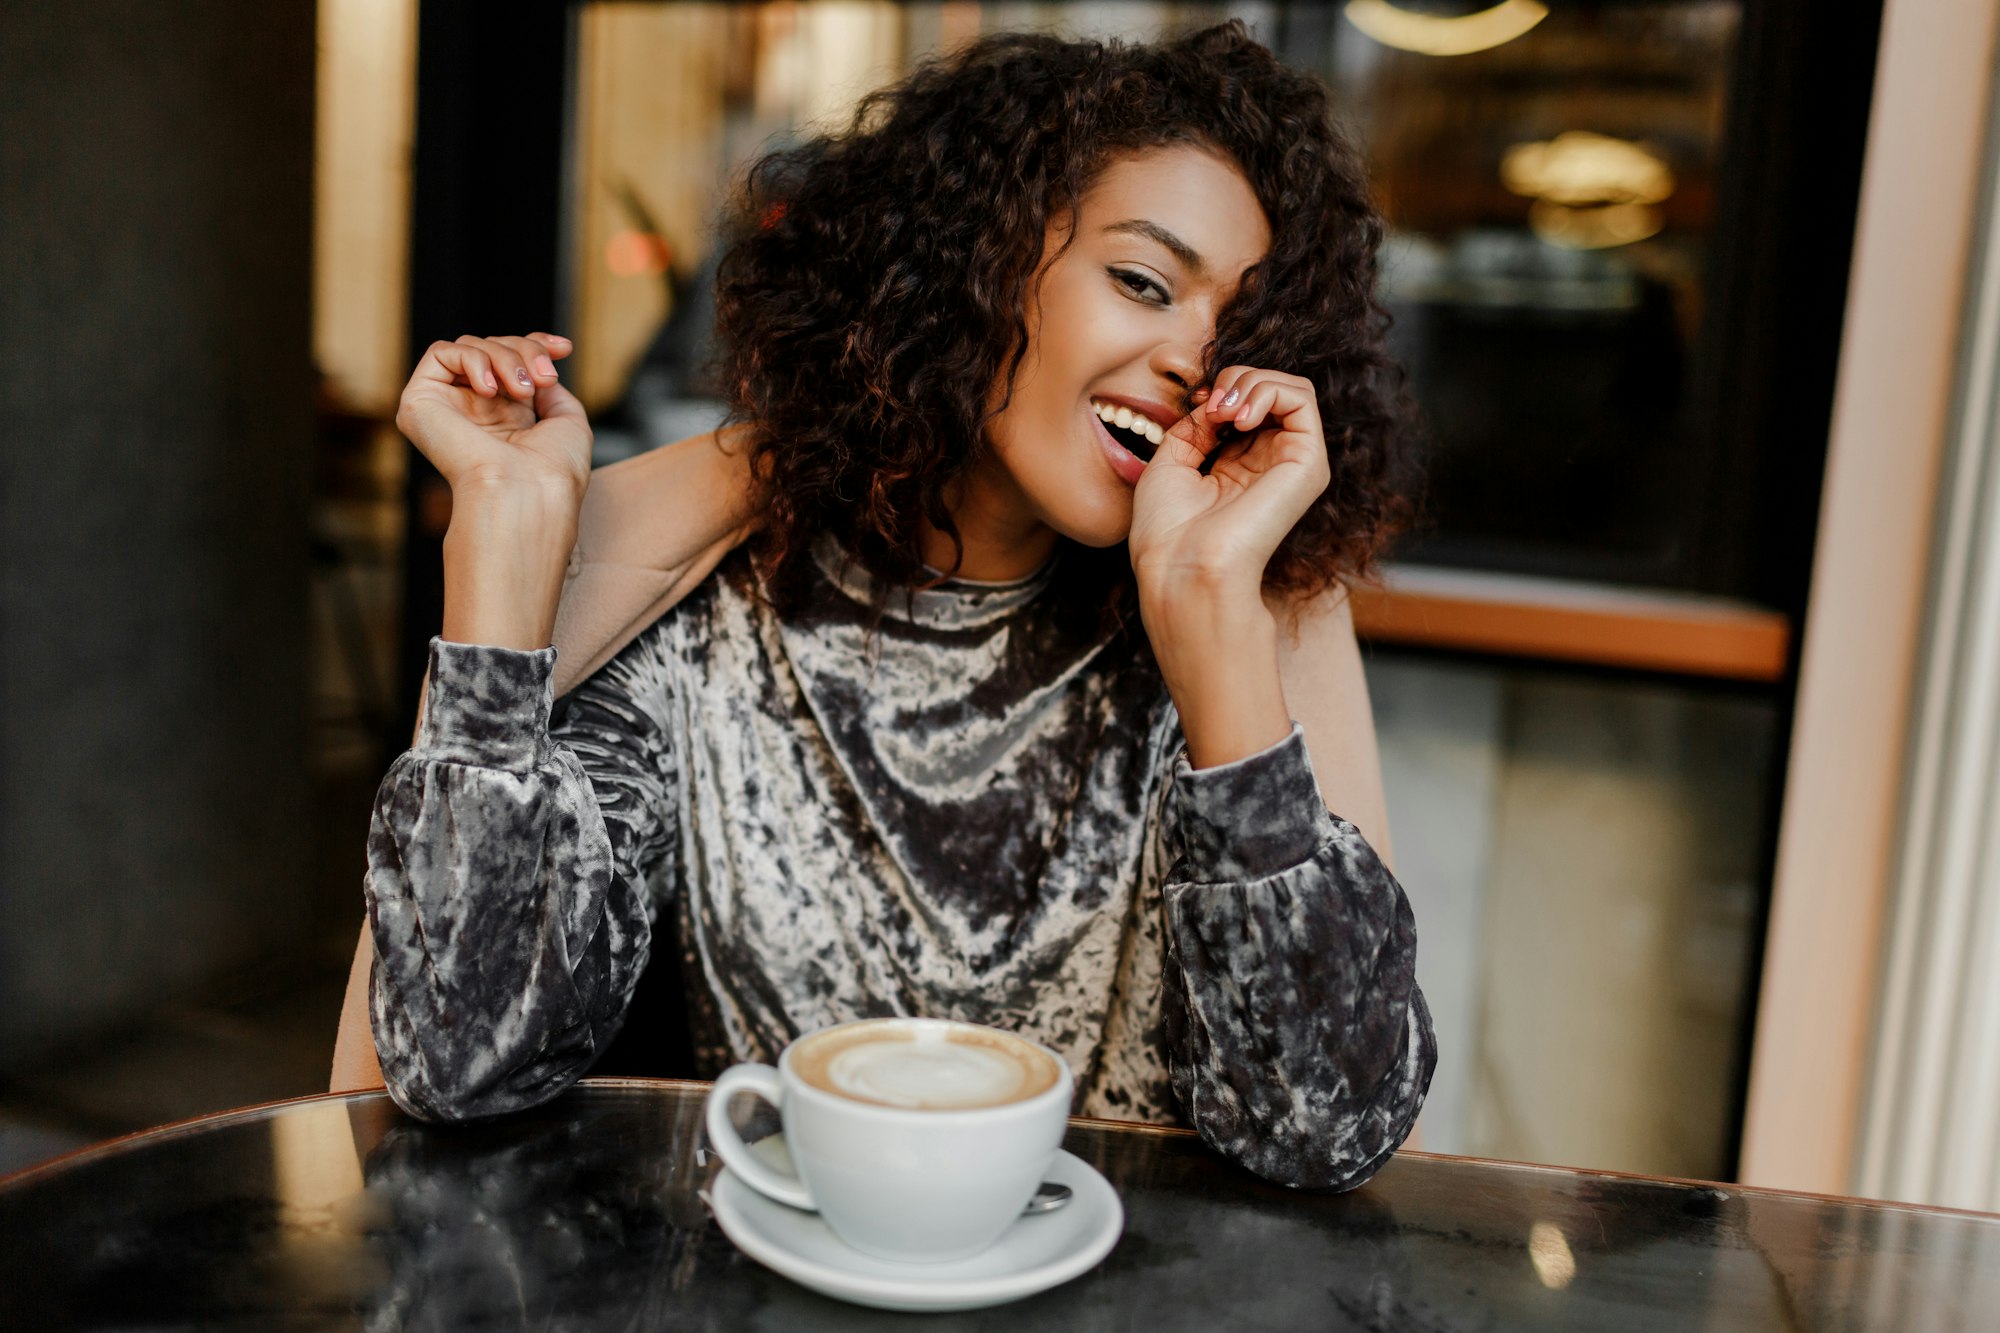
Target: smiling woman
{"x":1123,"y":314}
{"x":1007,"y":233}
{"x":1054,"y":332}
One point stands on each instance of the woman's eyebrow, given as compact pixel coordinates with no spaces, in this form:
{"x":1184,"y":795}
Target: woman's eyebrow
{"x":1190,"y":257}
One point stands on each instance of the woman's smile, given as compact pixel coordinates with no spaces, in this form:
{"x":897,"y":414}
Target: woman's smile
{"x":1126,"y":464}
{"x":1129,"y":430}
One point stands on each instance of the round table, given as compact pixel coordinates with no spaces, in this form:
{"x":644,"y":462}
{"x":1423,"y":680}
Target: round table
{"x":339,"y":1212}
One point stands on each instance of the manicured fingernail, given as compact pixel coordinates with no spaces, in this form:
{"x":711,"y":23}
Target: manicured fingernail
{"x":521,"y":377}
{"x":544,"y":366}
{"x":491,"y":383}
{"x":1199,"y":395}
{"x":1229,"y":399}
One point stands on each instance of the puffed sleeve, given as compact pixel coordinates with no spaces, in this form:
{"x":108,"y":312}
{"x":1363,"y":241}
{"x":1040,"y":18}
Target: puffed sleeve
{"x":508,"y":872}
{"x":1297,"y":1041}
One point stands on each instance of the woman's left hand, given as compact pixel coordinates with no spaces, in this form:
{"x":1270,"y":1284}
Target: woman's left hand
{"x":1216,"y":531}
{"x":1199,"y":545}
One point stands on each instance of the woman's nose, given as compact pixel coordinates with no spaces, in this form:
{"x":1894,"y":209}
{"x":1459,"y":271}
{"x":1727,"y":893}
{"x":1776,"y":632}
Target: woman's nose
{"x":1179,"y":359}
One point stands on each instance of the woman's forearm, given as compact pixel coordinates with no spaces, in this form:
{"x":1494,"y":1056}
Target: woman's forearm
{"x":504,"y":558}
{"x":1218,"y":652}
{"x":670,"y":508}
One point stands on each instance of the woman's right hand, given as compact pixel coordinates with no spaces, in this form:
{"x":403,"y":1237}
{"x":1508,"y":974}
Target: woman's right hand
{"x":514,"y":446}
{"x":490,"y":413}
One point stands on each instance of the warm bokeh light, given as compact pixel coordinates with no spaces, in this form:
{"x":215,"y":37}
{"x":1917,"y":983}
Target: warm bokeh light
{"x":1577,"y":168}
{"x":1598,"y":227}
{"x":637,"y":254}
{"x":1443,"y":34}
{"x":1591,"y":191}
{"x":1548,"y":1251}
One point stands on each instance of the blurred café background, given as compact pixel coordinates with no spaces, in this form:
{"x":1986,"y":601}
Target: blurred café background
{"x":1686,"y":687}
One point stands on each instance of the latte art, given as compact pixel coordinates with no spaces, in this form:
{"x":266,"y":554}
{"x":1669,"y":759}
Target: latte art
{"x":935,"y":1074}
{"x":921,"y":1067}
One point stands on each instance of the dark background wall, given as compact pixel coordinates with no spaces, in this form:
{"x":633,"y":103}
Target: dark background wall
{"x":155,"y":253}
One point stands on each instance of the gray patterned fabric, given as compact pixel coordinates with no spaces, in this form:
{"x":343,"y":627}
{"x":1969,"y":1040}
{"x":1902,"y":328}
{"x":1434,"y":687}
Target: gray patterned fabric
{"x":970,"y":811}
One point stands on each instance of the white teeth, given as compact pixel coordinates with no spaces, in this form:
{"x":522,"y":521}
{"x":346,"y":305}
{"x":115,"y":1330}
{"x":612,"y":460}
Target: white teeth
{"x":1126,"y":419}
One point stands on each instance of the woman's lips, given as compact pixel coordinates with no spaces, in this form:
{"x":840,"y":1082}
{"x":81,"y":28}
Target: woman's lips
{"x":1128,"y":465}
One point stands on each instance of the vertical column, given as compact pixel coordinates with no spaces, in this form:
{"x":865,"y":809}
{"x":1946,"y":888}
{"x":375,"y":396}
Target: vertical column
{"x":1851,"y":736}
{"x":1932,"y":1132}
{"x":155,"y":269}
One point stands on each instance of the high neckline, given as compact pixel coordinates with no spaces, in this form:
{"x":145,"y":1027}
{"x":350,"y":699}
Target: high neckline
{"x":956,"y":603}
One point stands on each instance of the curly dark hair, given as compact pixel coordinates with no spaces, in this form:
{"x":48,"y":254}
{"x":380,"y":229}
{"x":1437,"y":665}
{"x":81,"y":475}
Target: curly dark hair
{"x":875,"y":282}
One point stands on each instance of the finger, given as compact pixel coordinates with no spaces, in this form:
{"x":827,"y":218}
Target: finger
{"x":534,"y":355}
{"x":1186,"y":442}
{"x":556,"y":345}
{"x":553,"y":400}
{"x":1228,"y":391}
{"x":1258,"y":401}
{"x":460,"y":367}
{"x":508,"y":365}
{"x":1280,"y":495}
{"x":1289,"y":403}
{"x":1229,"y":400}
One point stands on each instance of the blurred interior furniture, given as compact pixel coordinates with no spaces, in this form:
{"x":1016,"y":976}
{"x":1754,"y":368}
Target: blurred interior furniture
{"x":1514,"y":615}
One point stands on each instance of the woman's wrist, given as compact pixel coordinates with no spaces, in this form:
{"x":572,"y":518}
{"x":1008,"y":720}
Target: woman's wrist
{"x":1217,"y":648}
{"x":505,"y":556}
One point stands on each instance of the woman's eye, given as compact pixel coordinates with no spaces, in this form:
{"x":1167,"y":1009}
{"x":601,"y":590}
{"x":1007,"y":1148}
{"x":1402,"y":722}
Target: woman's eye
{"x":1140,"y":285}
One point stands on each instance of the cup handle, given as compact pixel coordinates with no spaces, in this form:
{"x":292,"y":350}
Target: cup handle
{"x":762,"y":1081}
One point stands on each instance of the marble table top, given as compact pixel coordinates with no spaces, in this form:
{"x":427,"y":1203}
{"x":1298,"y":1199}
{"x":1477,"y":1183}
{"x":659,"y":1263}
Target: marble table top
{"x":339,"y":1212}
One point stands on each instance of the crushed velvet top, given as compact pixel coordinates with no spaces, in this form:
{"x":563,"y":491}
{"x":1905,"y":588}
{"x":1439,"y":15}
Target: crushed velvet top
{"x":968,"y":810}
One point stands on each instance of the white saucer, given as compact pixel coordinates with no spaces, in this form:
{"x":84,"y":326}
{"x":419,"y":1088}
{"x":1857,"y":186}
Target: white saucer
{"x":1034,"y":1254}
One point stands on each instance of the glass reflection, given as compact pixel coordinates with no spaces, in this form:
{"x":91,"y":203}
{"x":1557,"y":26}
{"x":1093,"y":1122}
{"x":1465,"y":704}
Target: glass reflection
{"x":315,"y":1166}
{"x":501,"y":1224}
{"x":1549,"y":1251}
{"x":1552,"y":203}
{"x":585,"y":1214}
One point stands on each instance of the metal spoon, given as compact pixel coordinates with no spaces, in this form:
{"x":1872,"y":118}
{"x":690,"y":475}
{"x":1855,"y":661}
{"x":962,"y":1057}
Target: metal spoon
{"x":1048,"y":1198}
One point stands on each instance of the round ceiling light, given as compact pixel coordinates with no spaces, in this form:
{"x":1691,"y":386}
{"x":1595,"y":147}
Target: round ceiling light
{"x":1591,"y":191}
{"x":1445,"y":34}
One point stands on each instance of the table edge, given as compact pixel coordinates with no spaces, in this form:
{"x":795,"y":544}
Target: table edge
{"x":213,"y":1119}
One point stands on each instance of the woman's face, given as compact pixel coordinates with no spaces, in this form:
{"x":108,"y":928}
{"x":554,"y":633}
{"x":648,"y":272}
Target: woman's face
{"x":1119,"y":321}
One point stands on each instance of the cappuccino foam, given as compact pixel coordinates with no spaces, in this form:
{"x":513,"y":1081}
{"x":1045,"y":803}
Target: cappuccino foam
{"x":924,"y":1068}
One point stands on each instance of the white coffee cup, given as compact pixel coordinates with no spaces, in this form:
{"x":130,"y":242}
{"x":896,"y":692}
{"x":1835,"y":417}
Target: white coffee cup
{"x":905,"y":1133}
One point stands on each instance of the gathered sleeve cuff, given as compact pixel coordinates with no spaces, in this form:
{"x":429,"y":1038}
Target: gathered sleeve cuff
{"x":487,"y":707}
{"x":1298,"y":1042}
{"x":1246,"y":820}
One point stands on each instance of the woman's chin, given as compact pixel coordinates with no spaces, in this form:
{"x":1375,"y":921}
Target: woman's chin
{"x":1098,"y":526}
